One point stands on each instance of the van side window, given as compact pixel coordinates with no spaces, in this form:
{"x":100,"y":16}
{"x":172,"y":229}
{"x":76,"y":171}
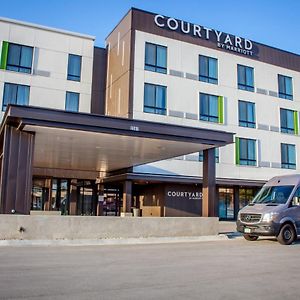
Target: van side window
{"x":296,"y":198}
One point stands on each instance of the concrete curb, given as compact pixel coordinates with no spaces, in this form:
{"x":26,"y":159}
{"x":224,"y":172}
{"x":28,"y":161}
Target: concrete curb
{"x":120,"y":241}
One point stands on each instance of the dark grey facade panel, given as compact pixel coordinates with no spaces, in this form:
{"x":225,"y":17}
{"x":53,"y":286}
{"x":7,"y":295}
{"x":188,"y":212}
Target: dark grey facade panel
{"x":144,"y":21}
{"x":16,"y":171}
{"x":99,"y":81}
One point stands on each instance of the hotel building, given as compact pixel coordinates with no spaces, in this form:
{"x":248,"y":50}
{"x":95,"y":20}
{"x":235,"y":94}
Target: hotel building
{"x":146,"y":123}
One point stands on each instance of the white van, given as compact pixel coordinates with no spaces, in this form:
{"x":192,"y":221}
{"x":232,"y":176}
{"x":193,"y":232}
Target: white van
{"x":274,"y":211}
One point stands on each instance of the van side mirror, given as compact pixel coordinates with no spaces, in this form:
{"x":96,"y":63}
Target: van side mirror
{"x":296,"y":201}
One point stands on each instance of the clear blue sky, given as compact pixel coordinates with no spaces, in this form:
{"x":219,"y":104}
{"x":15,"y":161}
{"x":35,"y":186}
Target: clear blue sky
{"x":272,"y":22}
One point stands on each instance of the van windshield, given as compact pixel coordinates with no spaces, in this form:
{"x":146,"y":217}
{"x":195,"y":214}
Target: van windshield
{"x":273,"y":194}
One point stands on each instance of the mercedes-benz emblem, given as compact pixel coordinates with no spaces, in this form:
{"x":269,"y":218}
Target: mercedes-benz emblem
{"x":248,"y":218}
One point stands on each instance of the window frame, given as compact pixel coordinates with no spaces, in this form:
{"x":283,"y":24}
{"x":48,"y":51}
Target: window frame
{"x":70,"y":76}
{"x":247,"y":123}
{"x":155,"y":109}
{"x":283,"y":94}
{"x":243,"y":85}
{"x":207,"y":78}
{"x":286,"y":129}
{"x":18,"y":67}
{"x":287,"y":164}
{"x":246,"y":161}
{"x":208,"y":117}
{"x":155,"y":67}
{"x":4,"y":106}
{"x":78,"y":99}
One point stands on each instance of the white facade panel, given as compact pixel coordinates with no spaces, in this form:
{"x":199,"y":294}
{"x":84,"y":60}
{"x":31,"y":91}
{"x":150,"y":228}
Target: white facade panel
{"x":48,"y":79}
{"x":183,"y":97}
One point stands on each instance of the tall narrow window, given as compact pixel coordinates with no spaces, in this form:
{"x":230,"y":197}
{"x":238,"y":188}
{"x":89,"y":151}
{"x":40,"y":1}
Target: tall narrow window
{"x":288,"y":156}
{"x":287,"y":121}
{"x":155,"y":99}
{"x":156,"y":58}
{"x":246,"y":151}
{"x":19,"y":58}
{"x":245,"y":78}
{"x":74,"y":67}
{"x":15,"y":94}
{"x":285,"y":87}
{"x":209,"y":108}
{"x":246,"y":114}
{"x":217,"y":156}
{"x":208,"y":69}
{"x":72,"y":101}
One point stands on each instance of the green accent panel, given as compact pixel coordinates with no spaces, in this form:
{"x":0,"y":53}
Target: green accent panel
{"x":4,"y":55}
{"x":221,"y":109}
{"x":296,"y":126}
{"x":237,"y":150}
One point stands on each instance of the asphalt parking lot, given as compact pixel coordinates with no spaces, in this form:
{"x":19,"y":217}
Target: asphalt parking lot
{"x":231,"y":269}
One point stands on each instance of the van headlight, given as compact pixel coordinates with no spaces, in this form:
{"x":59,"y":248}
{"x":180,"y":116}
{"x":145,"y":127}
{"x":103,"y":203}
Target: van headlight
{"x":268,"y":217}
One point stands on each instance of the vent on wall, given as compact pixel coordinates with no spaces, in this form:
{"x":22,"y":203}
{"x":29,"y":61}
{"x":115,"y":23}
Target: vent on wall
{"x":262,"y":126}
{"x":175,"y":113}
{"x":179,"y":158}
{"x":276,"y":165}
{"x":41,"y":73}
{"x":191,"y":76}
{"x":191,"y":116}
{"x":192,"y":157}
{"x":273,"y":94}
{"x":261,"y":91}
{"x":176,"y":73}
{"x":264,"y":164}
{"x":274,"y":128}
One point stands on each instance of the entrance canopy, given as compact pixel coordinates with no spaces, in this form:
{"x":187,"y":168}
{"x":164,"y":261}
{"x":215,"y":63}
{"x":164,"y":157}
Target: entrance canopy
{"x":54,"y":143}
{"x":86,"y":142}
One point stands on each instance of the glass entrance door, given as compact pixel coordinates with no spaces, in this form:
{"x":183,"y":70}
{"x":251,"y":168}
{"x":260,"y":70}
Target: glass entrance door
{"x":39,"y":194}
{"x":86,"y":198}
{"x":226,"y":203}
{"x":60,"y":195}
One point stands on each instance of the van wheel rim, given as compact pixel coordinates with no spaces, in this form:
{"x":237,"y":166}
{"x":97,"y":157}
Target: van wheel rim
{"x":287,"y":234}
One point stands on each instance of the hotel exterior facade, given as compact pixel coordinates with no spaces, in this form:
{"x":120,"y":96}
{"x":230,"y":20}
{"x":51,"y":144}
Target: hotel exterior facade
{"x":201,"y":82}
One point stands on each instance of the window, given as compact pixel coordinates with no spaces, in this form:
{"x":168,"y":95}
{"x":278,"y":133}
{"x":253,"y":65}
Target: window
{"x":155,"y":99}
{"x":74,"y":67}
{"x":285,"y":87}
{"x":72,"y":101}
{"x":19,"y":58}
{"x":209,"y":108}
{"x":287,"y":121}
{"x":288,"y":156}
{"x":217,"y":157}
{"x":246,"y":114}
{"x":15,"y":94}
{"x":208,"y":69}
{"x":246,"y":195}
{"x":156,"y":58}
{"x":245,"y":78}
{"x":245,"y":152}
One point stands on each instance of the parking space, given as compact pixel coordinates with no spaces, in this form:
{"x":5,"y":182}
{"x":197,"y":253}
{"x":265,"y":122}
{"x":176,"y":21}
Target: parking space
{"x":232,"y":269}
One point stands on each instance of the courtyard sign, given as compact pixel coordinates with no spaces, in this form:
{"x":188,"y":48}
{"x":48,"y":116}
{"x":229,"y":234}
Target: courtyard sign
{"x":185,"y":194}
{"x":222,"y":40}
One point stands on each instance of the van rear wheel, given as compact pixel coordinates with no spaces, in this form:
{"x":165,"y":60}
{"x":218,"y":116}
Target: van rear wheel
{"x":250,"y":237}
{"x":286,"y":235}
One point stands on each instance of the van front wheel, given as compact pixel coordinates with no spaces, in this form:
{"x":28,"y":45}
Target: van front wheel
{"x":286,"y":235}
{"x":250,"y":237}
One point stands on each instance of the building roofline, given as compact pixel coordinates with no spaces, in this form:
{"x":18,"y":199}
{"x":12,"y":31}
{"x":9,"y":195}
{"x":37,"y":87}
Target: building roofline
{"x":32,"y":25}
{"x":125,"y":15}
{"x":151,"y":12}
